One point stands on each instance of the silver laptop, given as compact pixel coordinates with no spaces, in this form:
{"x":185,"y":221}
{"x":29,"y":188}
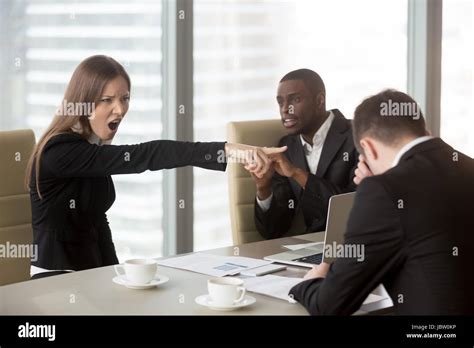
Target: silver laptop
{"x":340,"y":207}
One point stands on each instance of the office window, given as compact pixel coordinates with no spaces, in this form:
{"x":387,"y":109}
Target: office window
{"x":41,"y":44}
{"x":457,"y":112}
{"x":243,"y":48}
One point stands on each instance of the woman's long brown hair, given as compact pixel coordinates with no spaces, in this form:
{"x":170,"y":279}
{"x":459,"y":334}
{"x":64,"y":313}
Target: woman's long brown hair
{"x":85,"y":87}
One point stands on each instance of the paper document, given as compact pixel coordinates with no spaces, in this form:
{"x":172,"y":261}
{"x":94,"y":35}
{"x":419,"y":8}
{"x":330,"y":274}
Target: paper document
{"x":213,"y":265}
{"x":272,"y":285}
{"x":372,"y":302}
{"x":301,"y":246}
{"x":373,"y":298}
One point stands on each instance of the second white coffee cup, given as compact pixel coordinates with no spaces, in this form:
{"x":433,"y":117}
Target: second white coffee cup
{"x":226,"y":291}
{"x":138,"y":271}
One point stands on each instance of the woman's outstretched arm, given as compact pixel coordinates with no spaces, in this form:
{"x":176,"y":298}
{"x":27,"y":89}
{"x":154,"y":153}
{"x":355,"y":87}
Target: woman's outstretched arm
{"x":69,"y":155}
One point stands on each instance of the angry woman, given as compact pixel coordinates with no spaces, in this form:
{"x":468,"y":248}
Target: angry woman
{"x":70,"y":170}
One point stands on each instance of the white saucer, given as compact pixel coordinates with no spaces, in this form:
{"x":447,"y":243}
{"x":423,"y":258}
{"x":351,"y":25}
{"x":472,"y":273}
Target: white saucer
{"x":159,"y":279}
{"x":205,"y":300}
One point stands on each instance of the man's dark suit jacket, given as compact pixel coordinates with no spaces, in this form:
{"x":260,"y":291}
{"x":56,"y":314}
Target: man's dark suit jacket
{"x":416,"y":223}
{"x":70,"y":224}
{"x":334,"y":175}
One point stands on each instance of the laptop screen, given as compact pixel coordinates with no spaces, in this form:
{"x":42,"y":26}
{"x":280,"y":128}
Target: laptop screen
{"x":340,"y":207}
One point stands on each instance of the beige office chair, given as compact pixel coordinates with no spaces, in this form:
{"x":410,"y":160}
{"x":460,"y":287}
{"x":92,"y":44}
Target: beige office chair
{"x":242,"y":187}
{"x":15,"y":211}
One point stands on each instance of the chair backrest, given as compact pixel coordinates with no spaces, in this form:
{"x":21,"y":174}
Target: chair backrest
{"x":15,"y":212}
{"x":242,"y":189}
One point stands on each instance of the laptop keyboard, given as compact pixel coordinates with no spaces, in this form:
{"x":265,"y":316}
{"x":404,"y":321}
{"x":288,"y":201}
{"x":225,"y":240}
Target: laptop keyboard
{"x":312,"y":259}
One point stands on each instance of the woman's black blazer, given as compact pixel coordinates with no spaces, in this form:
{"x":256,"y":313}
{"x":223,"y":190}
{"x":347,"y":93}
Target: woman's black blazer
{"x":70,"y":224}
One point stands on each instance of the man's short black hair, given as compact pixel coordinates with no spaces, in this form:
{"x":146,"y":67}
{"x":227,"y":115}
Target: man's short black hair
{"x":311,"y":79}
{"x":388,"y":116}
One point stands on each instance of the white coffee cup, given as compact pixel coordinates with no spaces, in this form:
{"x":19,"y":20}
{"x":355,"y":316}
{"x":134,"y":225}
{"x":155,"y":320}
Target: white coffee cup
{"x":138,"y":271}
{"x":226,"y":291}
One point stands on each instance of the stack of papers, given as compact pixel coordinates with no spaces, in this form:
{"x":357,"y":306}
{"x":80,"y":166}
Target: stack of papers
{"x":213,"y":265}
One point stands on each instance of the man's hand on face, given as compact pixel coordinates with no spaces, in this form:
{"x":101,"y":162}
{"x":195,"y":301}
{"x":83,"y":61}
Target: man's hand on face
{"x":362,"y":170}
{"x":318,"y":271}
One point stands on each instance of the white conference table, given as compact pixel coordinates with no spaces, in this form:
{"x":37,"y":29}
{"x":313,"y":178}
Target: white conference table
{"x":92,"y":292}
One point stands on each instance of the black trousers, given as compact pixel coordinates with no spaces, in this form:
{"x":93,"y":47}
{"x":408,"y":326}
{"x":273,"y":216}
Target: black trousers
{"x":48,"y":274}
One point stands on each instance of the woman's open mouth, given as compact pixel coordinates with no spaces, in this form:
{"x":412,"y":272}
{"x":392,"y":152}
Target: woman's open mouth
{"x":114,"y":125}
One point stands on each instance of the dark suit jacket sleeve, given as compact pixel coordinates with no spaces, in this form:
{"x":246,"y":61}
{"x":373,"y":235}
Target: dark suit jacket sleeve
{"x":72,"y":156}
{"x":318,"y":191}
{"x":374,"y":222}
{"x":106,"y":245}
{"x":277,"y":220}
